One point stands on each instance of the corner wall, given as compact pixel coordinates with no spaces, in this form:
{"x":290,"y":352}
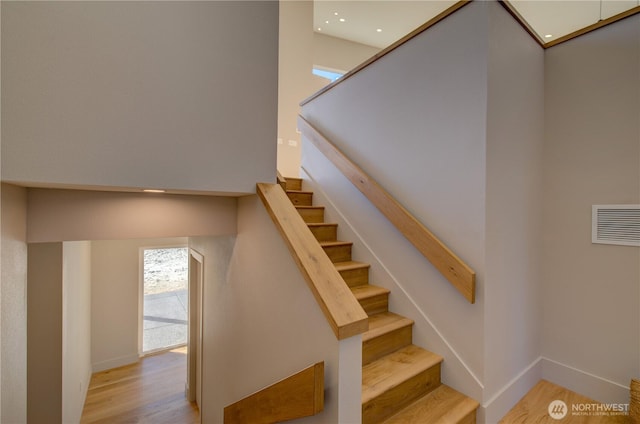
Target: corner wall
{"x":515,"y":135}
{"x":591,"y":308}
{"x":13,"y":295}
{"x":44,"y":333}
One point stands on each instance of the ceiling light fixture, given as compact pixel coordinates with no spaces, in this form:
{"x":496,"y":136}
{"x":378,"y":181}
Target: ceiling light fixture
{"x":153,"y":190}
{"x":326,"y":22}
{"x":335,"y":13}
{"x":548,"y":36}
{"x":379,"y":30}
{"x":341,"y":19}
{"x":319,"y":29}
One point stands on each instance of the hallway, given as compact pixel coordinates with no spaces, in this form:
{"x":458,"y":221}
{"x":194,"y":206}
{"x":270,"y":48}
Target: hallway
{"x":150,"y":391}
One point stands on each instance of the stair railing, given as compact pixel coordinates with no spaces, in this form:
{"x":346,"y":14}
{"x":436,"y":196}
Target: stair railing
{"x":297,"y":396}
{"x":343,"y":312}
{"x":459,"y":274}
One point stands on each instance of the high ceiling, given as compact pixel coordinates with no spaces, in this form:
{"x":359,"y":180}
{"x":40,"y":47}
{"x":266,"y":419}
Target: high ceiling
{"x":379,"y":23}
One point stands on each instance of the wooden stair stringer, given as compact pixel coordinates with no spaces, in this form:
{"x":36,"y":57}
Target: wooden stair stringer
{"x":401,"y":381}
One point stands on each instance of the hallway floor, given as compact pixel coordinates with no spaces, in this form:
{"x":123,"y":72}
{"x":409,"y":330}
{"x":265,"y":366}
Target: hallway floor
{"x":150,"y":391}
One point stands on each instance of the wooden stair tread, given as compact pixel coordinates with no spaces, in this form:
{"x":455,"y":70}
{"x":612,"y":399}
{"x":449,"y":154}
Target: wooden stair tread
{"x":322,"y":224}
{"x":366,"y":291}
{"x":349,"y":265}
{"x":443,"y":405}
{"x":383,"y":323}
{"x":335,"y":243}
{"x":299,"y":191}
{"x":395,"y":368}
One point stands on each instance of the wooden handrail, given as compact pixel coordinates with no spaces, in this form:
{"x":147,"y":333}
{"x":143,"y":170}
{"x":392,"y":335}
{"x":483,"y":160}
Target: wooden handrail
{"x":422,"y":28}
{"x":300,"y":395}
{"x":340,"y":307}
{"x":451,"y":266}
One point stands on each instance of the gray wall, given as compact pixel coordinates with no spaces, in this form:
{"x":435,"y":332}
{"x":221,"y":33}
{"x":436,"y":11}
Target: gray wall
{"x":173,"y":95}
{"x":591,"y":311}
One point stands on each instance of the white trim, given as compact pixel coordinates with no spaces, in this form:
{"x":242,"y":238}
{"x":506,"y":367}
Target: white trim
{"x":115,"y":362}
{"x":593,"y":386}
{"x":511,"y":382}
{"x":400,"y":286}
{"x":505,"y":398}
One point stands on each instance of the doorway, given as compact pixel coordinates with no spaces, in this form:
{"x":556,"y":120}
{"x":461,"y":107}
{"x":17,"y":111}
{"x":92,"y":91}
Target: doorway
{"x":165,"y":308}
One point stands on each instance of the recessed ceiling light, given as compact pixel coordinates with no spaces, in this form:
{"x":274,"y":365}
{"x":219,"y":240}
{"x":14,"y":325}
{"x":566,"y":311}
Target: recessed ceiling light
{"x":153,"y":190}
{"x":326,"y":22}
{"x":319,"y":29}
{"x":379,"y":30}
{"x":341,"y":19}
{"x":335,"y":13}
{"x":548,"y":36}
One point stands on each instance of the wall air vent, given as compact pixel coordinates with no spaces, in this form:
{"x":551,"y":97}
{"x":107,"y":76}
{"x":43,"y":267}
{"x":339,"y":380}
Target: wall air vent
{"x":616,"y":224}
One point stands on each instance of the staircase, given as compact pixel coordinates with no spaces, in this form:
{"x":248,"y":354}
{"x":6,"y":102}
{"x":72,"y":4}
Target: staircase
{"x":400,"y":381}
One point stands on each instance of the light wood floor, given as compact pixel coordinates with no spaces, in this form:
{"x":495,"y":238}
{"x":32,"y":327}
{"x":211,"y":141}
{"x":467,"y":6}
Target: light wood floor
{"x":533,"y":408}
{"x":151,"y":391}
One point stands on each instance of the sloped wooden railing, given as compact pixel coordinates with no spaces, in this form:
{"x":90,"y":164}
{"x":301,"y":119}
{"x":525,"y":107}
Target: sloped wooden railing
{"x":343,"y":312}
{"x":461,"y":276}
{"x":300,"y":395}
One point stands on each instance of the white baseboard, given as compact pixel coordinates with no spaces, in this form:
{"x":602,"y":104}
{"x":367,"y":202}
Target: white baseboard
{"x":115,"y":363}
{"x":584,"y":383}
{"x":504,"y":399}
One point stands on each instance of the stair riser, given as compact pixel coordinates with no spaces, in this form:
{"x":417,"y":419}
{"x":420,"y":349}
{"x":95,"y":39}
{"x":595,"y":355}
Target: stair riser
{"x":312,"y":215}
{"x":301,"y":199}
{"x":294,"y":183}
{"x":375,"y":304}
{"x":338,"y":253}
{"x":385,"y":344}
{"x":470,"y":418}
{"x":396,"y":398}
{"x":356,"y":277}
{"x":325,"y":232}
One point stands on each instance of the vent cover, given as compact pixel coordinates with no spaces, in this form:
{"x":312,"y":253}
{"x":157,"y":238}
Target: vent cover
{"x":616,"y":224}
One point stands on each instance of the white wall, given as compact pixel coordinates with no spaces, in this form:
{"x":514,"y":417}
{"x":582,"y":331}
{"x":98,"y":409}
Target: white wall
{"x":591,"y":311}
{"x":140,"y":94}
{"x":515,"y":134}
{"x":261,"y":322}
{"x":115,"y":292}
{"x":339,"y":54}
{"x":416,"y":121}
{"x":57,"y":215}
{"x":13,"y":309}
{"x":76,"y":328}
